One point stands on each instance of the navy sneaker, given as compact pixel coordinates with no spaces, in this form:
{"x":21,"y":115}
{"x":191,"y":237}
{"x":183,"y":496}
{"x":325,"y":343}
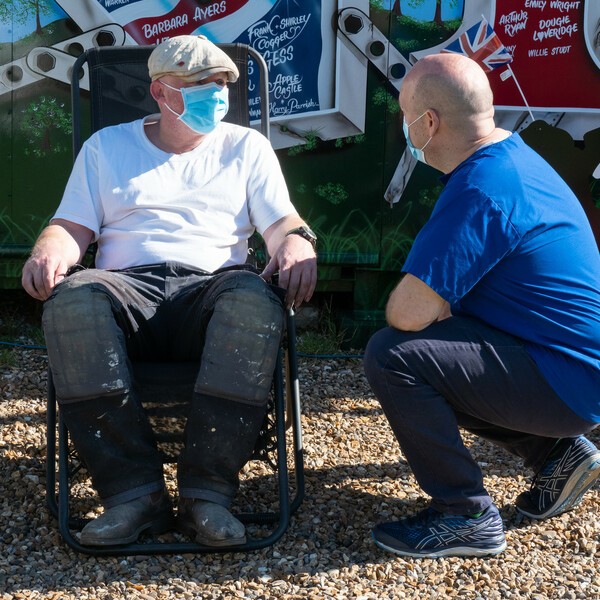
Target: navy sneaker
{"x":433,"y":534}
{"x":566,"y":476}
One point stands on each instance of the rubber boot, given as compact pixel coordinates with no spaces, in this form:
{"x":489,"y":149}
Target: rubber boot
{"x":123,"y":523}
{"x":116,"y":442}
{"x":220,"y":436}
{"x":209,"y":523}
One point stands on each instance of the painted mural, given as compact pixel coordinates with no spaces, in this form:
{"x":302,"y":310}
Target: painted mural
{"x":335,"y":70}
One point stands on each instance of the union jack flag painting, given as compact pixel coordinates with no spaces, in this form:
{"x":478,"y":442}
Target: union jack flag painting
{"x":481,"y":43}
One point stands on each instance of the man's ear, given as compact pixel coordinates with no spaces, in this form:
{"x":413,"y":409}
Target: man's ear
{"x":157,"y":90}
{"x":432,"y":120}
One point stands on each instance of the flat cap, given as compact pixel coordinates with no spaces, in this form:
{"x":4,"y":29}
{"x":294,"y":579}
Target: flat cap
{"x":190,"y":57}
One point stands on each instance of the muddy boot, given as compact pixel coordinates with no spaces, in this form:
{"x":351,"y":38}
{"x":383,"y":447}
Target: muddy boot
{"x":116,"y":442}
{"x":220,"y":436}
{"x":123,"y":524}
{"x":209,"y":523}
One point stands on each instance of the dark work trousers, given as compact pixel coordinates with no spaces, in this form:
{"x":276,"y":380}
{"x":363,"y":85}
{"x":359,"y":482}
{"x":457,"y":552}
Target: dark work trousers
{"x":460,"y":372}
{"x":97,"y":321}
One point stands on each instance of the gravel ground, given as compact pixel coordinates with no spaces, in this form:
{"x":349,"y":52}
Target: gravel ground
{"x":355,"y":477}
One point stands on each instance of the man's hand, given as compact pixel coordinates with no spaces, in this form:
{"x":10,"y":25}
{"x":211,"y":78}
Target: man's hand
{"x":60,"y":245}
{"x":296,"y":262}
{"x":41,"y":273}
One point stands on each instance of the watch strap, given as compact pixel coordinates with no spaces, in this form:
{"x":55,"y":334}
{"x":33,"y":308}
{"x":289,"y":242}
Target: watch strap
{"x":304,"y":232}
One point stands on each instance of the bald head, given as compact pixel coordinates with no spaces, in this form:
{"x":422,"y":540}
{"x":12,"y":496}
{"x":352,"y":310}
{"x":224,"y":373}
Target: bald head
{"x":448,"y":105}
{"x":453,"y":85}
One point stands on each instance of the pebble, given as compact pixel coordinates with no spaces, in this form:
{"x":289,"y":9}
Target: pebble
{"x":355,"y":477}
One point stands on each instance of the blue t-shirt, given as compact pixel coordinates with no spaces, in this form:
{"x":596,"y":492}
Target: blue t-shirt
{"x":509,"y":243}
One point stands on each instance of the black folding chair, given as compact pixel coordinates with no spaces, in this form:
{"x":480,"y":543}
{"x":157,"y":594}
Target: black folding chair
{"x":119,"y":92}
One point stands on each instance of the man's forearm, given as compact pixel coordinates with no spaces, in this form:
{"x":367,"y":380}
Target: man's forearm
{"x":55,"y":240}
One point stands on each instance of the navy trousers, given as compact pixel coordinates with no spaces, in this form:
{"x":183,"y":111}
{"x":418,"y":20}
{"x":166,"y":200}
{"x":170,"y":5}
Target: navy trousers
{"x":461,"y":373}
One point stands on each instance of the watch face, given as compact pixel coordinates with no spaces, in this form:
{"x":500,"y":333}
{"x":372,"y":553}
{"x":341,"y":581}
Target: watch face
{"x":310,"y":232}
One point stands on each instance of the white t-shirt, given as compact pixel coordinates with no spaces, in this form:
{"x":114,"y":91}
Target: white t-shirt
{"x":146,"y":206}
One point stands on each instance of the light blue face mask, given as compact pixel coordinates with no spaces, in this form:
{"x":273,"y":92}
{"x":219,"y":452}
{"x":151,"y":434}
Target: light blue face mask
{"x":416,"y":152}
{"x":204,"y":106}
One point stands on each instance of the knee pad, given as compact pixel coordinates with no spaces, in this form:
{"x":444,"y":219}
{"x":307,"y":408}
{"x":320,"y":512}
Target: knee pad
{"x":242,"y":341}
{"x":86,"y":348}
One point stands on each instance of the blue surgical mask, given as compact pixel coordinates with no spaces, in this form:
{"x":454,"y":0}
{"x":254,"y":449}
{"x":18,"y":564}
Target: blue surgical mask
{"x":204,"y":106}
{"x":416,"y":152}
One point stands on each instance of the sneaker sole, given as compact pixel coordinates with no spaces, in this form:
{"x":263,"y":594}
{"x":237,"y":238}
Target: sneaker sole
{"x":576,"y":486}
{"x":456,"y":551}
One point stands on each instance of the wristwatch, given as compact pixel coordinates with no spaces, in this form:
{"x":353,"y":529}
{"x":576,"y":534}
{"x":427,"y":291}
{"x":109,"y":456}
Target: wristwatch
{"x":307,"y":233}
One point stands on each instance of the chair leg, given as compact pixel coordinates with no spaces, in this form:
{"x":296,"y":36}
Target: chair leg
{"x":51,"y":448}
{"x":293,"y":417}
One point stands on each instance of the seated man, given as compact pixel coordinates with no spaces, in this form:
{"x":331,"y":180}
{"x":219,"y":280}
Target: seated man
{"x":171,"y":201}
{"x":495,"y":326}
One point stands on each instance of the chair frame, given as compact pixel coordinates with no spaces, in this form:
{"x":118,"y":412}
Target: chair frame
{"x":286,"y":410}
